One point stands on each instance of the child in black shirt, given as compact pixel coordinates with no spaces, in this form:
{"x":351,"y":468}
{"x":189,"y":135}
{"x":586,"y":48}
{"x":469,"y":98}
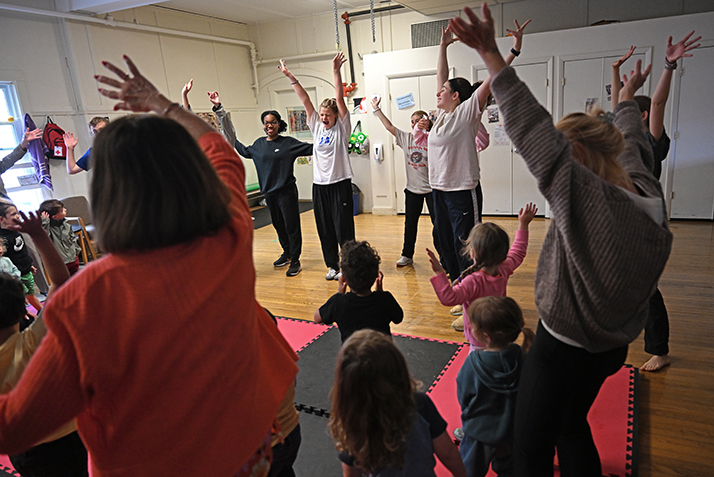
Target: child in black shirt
{"x":361,"y":307}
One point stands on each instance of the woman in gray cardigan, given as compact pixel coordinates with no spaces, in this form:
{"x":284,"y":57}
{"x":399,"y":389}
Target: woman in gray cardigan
{"x":603,"y":254}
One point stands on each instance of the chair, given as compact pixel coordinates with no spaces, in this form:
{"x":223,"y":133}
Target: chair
{"x":80,"y":216}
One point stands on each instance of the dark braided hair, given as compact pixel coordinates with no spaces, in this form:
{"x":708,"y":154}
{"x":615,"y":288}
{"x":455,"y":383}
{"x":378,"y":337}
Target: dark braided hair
{"x":489,"y":244}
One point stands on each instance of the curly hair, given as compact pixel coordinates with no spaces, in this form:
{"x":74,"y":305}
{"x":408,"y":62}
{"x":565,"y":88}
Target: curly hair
{"x":372,"y":401}
{"x":282,"y":125}
{"x":359,"y":264}
{"x":489,"y":244}
{"x":498,"y":320}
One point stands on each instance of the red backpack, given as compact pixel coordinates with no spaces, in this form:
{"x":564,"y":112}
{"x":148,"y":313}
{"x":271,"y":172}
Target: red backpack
{"x":53,"y":137}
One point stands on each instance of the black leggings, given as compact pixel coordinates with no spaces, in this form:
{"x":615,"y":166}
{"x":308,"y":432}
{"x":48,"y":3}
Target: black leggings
{"x":558,"y":385}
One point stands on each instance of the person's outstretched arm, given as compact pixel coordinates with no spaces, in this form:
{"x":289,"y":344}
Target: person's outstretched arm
{"x":485,"y":89}
{"x":224,"y":119}
{"x":21,"y":149}
{"x":184,"y":94}
{"x":337,"y":63}
{"x":616,"y":85}
{"x":299,"y":90}
{"x":661,"y":94}
{"x":385,"y":120}
{"x":442,"y":61}
{"x":71,"y":142}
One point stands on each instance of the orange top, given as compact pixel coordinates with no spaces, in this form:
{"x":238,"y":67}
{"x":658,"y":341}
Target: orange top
{"x":167,"y":361}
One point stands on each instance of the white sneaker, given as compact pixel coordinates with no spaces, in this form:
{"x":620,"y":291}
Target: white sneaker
{"x":339,"y":274}
{"x":331,"y":274}
{"x":404,"y":261}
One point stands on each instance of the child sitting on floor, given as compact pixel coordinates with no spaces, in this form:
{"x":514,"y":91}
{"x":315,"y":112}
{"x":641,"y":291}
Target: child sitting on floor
{"x":17,"y":251}
{"x":494,"y":263}
{"x":487,"y":385}
{"x":361,"y":307}
{"x":60,"y":231}
{"x":62,"y":452}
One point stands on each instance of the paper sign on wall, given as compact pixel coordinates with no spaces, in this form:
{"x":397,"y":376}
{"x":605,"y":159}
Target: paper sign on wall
{"x":500,"y":138}
{"x":405,"y":101}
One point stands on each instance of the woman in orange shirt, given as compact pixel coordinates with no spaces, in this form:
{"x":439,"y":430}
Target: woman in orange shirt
{"x":159,"y":349}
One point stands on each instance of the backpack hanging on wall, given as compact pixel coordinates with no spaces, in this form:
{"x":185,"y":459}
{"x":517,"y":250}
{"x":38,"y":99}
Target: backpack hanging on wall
{"x":53,"y":137}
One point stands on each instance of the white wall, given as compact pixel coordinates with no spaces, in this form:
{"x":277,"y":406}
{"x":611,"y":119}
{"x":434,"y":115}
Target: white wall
{"x":602,"y":41}
{"x":53,"y":63}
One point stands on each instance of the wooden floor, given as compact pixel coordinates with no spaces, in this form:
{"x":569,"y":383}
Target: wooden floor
{"x":676,"y":434}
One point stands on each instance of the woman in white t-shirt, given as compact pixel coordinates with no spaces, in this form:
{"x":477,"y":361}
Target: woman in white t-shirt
{"x":454,"y":162}
{"x":418,"y":189}
{"x":332,"y":172}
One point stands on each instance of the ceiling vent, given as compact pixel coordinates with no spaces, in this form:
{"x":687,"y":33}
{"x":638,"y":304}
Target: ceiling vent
{"x":428,"y":33}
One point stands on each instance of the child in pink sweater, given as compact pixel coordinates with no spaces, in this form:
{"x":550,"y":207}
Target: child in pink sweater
{"x":494,"y":263}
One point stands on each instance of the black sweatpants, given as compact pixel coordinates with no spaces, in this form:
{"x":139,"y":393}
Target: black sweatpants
{"x":334,"y":217}
{"x":63,"y":457}
{"x":285,"y":215}
{"x":657,"y":327}
{"x":413,"y":205}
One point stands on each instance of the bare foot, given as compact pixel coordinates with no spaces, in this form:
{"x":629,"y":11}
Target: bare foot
{"x":655,"y":363}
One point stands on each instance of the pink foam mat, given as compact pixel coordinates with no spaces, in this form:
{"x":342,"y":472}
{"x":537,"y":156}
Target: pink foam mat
{"x":611,"y":418}
{"x":300,"y":333}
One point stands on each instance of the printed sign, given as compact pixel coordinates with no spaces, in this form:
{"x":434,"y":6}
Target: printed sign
{"x":406,"y":101}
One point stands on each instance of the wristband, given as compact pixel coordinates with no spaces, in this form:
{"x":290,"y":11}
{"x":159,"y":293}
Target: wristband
{"x":374,"y":110}
{"x":169,"y":108}
{"x":669,"y":65}
{"x":515,"y":52}
{"x":294,"y":83}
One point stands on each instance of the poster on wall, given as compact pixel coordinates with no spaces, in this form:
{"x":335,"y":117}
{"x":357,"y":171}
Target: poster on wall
{"x":304,"y":160}
{"x":492,"y":114}
{"x":500,"y":138}
{"x":297,"y":122}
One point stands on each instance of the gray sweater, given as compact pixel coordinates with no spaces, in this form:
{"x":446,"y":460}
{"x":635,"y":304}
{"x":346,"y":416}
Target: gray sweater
{"x":603,"y":254}
{"x":6,"y":163}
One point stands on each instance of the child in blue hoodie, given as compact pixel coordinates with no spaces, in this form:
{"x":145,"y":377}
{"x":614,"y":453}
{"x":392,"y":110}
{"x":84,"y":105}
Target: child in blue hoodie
{"x":487,"y":385}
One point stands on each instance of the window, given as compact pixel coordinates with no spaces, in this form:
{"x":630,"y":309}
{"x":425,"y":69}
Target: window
{"x":26,"y":197}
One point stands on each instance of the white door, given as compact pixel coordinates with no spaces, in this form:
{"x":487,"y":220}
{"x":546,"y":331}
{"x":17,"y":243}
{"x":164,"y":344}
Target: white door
{"x":693,"y":149}
{"x":524,"y":185}
{"x":506,"y":182}
{"x":423,"y":89}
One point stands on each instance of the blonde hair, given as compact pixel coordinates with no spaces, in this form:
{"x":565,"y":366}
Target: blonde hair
{"x":330,"y":103}
{"x":600,"y":144}
{"x":489,"y":244}
{"x":498,"y":320}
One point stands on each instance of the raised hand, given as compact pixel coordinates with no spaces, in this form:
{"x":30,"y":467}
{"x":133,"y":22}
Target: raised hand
{"x":435,"y":264}
{"x":341,"y":285}
{"x":680,"y":49}
{"x":214,"y":98}
{"x":338,"y":61}
{"x":69,"y":140}
{"x":635,"y":81}
{"x":187,"y":88}
{"x":32,"y":135}
{"x":135,"y":93}
{"x":517,"y":34}
{"x":625,"y":57}
{"x":284,"y":69}
{"x":423,"y":124}
{"x":479,"y":35}
{"x":447,"y":36}
{"x":31,"y":225}
{"x":526,"y":215}
{"x":376,"y":101}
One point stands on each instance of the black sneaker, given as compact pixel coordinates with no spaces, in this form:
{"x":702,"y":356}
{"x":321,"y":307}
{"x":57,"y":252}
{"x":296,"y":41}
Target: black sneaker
{"x":294,"y":269}
{"x":282,"y":261}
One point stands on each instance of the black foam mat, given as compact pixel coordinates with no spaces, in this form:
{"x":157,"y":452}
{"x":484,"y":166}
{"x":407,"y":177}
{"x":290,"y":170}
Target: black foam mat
{"x":426,"y":360}
{"x":317,"y":456}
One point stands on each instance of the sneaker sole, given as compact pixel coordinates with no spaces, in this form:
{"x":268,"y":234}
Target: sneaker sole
{"x":400,"y":265}
{"x":278,"y":265}
{"x":293,"y":274}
